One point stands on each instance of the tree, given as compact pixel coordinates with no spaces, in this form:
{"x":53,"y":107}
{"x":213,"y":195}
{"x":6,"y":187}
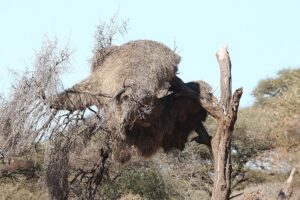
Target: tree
{"x":141,"y":106}
{"x":283,"y":93}
{"x":221,"y":143}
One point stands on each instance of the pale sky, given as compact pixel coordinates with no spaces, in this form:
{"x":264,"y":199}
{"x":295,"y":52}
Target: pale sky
{"x":263,"y":35}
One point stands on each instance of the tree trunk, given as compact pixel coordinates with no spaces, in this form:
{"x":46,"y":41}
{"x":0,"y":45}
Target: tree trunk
{"x":221,"y":142}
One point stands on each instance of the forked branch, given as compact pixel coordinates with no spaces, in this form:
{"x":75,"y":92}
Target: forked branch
{"x":221,"y":142}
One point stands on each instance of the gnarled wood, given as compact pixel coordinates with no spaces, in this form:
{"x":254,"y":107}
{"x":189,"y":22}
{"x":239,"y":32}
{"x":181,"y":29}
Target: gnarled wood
{"x":221,"y":142}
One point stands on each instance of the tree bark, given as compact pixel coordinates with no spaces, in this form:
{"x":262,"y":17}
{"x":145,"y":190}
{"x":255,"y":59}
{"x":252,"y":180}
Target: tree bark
{"x":221,"y":142}
{"x":225,"y":113}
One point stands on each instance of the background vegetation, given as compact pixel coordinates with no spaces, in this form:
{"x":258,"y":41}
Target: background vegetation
{"x":266,"y":146}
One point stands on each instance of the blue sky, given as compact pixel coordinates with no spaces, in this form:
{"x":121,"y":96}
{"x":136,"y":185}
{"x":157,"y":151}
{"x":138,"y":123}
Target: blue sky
{"x":263,"y":36}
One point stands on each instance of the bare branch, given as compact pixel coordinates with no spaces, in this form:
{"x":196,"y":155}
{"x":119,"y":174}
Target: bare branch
{"x":221,"y":142}
{"x":25,"y":110}
{"x":225,"y":78}
{"x":106,"y":32}
{"x":287,"y":188}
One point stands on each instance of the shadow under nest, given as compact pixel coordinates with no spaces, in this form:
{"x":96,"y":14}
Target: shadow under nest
{"x":144,"y":109}
{"x":168,"y":126}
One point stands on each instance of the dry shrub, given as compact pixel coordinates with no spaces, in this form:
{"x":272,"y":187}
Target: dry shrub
{"x":277,"y":108}
{"x":24,"y":115}
{"x":138,"y":179}
{"x":131,"y":196}
{"x":265,"y":191}
{"x":187,"y":175}
{"x":19,"y":168}
{"x":21,"y":190}
{"x":256,"y":195}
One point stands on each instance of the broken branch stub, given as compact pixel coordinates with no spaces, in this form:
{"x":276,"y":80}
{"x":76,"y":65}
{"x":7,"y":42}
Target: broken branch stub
{"x":221,"y":142}
{"x":225,"y":79}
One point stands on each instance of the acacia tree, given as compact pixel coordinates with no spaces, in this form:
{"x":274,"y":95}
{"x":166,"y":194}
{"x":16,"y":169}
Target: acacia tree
{"x":131,"y":115}
{"x":27,"y":120}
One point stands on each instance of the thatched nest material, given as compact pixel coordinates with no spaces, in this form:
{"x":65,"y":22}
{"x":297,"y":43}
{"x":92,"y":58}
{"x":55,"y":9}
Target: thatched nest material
{"x":133,"y":83}
{"x":144,"y":66}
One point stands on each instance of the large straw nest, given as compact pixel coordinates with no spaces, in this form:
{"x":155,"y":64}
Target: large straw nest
{"x":144,"y":64}
{"x":131,"y":83}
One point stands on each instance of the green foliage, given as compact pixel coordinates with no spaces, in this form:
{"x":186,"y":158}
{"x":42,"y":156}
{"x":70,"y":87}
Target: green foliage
{"x":278,"y":108}
{"x":286,"y":80}
{"x":146,"y":182}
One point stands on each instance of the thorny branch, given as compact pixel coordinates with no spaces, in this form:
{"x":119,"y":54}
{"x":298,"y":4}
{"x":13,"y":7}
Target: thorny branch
{"x":106,"y":32}
{"x":25,"y":110}
{"x":27,"y":119}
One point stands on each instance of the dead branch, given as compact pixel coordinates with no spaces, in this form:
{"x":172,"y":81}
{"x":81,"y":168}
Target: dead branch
{"x":221,"y":142}
{"x":25,"y":109}
{"x":287,"y":188}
